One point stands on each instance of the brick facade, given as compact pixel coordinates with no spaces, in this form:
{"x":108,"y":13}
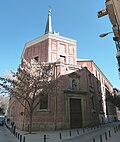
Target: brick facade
{"x":77,"y":100}
{"x":105,"y":86}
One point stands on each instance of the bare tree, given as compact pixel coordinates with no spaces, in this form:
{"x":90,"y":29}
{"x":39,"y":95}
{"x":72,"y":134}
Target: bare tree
{"x":27,"y":84}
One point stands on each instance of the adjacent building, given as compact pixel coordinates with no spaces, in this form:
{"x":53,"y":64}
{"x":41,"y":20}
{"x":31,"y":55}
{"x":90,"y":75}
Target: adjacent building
{"x":113,"y":11}
{"x":117,"y":93}
{"x":106,"y":89}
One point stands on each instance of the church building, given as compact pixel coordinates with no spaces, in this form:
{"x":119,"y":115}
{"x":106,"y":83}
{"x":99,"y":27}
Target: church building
{"x":78,"y":99}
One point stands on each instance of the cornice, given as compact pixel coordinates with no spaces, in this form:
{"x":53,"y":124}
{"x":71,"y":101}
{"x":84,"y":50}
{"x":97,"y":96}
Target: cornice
{"x":48,"y":36}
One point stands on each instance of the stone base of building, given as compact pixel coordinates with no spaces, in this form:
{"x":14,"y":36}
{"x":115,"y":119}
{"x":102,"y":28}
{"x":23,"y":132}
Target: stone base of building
{"x":44,"y":126}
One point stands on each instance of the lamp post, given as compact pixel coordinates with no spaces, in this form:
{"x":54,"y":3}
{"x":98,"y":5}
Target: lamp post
{"x":115,"y":39}
{"x":104,"y":34}
{"x":117,"y":43}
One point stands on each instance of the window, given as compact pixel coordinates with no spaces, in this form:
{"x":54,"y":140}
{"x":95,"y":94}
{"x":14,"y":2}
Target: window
{"x":62,"y":48}
{"x":93,"y":102}
{"x":36,"y":58}
{"x":99,"y":76}
{"x":54,"y":45}
{"x":91,"y":80}
{"x":63,"y":58}
{"x":44,"y":101}
{"x":98,"y":86}
{"x":71,"y":50}
{"x":100,"y":105}
{"x":74,"y":84}
{"x":96,"y":73}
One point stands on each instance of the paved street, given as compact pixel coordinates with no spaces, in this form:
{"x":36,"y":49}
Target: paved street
{"x":6,"y":136}
{"x":105,"y":133}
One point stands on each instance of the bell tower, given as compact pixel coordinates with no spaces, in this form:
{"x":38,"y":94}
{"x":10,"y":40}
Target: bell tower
{"x":51,"y":47}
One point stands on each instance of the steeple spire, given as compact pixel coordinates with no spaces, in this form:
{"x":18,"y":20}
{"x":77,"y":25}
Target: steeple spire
{"x":48,"y":28}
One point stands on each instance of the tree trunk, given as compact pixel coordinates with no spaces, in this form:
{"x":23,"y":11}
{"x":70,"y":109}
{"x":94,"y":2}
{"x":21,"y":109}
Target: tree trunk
{"x":30,"y":122}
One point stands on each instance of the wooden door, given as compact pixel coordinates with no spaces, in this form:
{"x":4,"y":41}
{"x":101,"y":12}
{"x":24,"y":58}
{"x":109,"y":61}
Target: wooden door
{"x":75,"y":113}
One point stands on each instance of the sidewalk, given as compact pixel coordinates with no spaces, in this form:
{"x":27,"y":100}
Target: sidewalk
{"x":86,"y":135}
{"x":109,"y":133}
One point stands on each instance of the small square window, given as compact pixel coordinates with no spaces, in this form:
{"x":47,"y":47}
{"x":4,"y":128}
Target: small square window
{"x":36,"y":58}
{"x":63,"y":58}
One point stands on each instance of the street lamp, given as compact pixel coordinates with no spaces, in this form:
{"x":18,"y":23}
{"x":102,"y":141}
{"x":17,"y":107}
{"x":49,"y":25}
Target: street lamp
{"x":115,"y":39}
{"x":117,"y":43}
{"x":104,"y":34}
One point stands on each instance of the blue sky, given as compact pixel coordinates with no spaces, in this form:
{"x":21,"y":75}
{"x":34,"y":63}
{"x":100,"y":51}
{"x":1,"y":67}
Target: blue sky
{"x":24,"y":20}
